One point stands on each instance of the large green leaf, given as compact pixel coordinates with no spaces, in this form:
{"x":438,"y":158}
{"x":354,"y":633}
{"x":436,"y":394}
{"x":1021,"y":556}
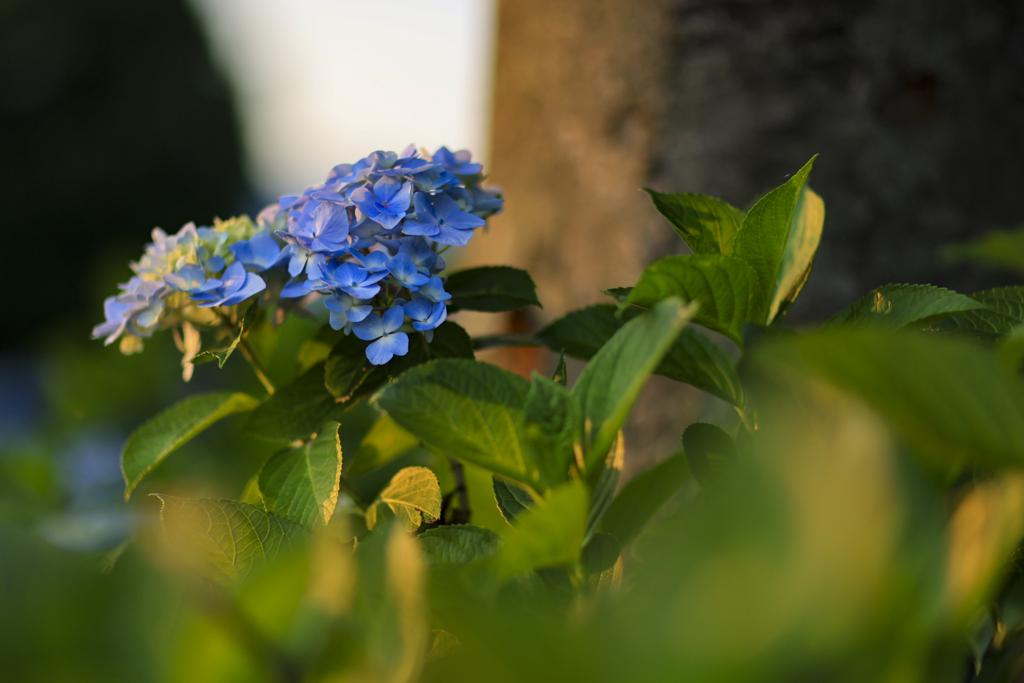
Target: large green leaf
{"x":549,"y":534}
{"x":383,"y":443}
{"x":725,"y":287}
{"x":459,"y":544}
{"x":693,"y":358}
{"x":492,"y":289}
{"x":643,"y":496}
{"x":764,"y":239}
{"x":414,"y":496}
{"x":162,"y":435}
{"x":512,"y":499}
{"x":952,"y":398}
{"x":467,"y":409}
{"x":608,"y":386}
{"x":605,"y":487}
{"x":1003,"y":310}
{"x":895,"y":306}
{"x":227,"y":535}
{"x":295,"y":411}
{"x":708,"y":225}
{"x":302,"y":483}
{"x":801,"y":249}
{"x":547,"y":428}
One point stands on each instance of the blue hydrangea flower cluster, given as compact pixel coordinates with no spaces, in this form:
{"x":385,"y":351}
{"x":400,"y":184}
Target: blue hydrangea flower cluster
{"x":369,"y":239}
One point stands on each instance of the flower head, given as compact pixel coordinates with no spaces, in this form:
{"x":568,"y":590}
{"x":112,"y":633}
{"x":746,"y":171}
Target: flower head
{"x":386,"y":202}
{"x":440,"y":218}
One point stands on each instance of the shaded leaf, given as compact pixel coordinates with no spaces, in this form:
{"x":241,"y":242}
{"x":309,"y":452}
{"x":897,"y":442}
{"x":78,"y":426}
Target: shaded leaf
{"x":600,"y":553}
{"x":547,"y":428}
{"x":643,"y":496}
{"x":413,"y":495}
{"x":1004,"y":310}
{"x":465,"y":408}
{"x":459,"y":543}
{"x":1003,"y":248}
{"x":726,"y":288}
{"x":561,"y":375}
{"x":383,"y":443}
{"x":953,"y":399}
{"x":607,"y":388}
{"x":295,"y":411}
{"x":170,"y":430}
{"x":512,"y":499}
{"x":492,"y":289}
{"x":301,"y":483}
{"x":604,"y":489}
{"x":764,"y":239}
{"x":708,"y":225}
{"x":895,"y":306}
{"x":693,"y":358}
{"x":710,"y":453}
{"x":227,"y":535}
{"x":347,"y":367}
{"x":620,"y":294}
{"x":318,"y":347}
{"x":549,"y":534}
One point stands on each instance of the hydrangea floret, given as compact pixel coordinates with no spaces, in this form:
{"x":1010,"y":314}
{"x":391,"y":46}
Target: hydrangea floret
{"x":366,"y":242}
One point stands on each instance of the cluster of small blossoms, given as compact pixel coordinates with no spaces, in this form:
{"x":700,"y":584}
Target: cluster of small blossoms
{"x":369,"y":239}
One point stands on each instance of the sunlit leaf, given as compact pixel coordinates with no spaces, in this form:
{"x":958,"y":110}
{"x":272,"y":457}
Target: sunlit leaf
{"x":413,"y":495}
{"x":301,"y":483}
{"x":708,"y":225}
{"x":896,"y":306}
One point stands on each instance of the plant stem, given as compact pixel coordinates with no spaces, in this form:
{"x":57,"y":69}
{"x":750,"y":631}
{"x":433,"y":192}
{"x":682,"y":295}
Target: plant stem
{"x":257,"y":365}
{"x":460,"y":485}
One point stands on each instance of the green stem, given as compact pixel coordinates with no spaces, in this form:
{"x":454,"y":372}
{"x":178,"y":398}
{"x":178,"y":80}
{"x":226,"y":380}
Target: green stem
{"x":495,"y":341}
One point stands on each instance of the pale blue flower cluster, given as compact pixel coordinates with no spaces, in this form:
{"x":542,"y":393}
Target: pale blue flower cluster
{"x":369,"y":238}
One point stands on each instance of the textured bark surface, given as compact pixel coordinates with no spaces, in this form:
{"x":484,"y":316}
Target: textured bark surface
{"x":916,"y":107}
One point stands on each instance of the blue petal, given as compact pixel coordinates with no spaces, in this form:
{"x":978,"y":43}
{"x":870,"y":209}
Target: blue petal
{"x":434,"y":290}
{"x":294,"y":289}
{"x":411,"y":227}
{"x":370,"y":328}
{"x":386,"y":348}
{"x":393,"y":319}
{"x":418,"y":309}
{"x":253,"y":284}
{"x":358,"y":313}
{"x":453,"y":237}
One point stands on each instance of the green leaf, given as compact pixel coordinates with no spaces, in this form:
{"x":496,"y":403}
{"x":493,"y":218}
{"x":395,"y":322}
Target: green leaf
{"x":896,"y":306}
{"x":301,"y":483}
{"x":347,"y":367}
{"x":383,"y":443}
{"x":600,"y":554}
{"x":492,"y":289}
{"x":222,"y":355}
{"x":318,"y":347}
{"x":459,"y":544}
{"x":1004,"y":310}
{"x":643,"y":496}
{"x":561,"y":375}
{"x":170,"y":430}
{"x":620,"y":294}
{"x":725,"y":286}
{"x":413,"y":495}
{"x":467,"y":409}
{"x":549,"y":534}
{"x":512,"y":499}
{"x":710,"y":452}
{"x":952,"y":398}
{"x":608,"y":386}
{"x":295,"y":411}
{"x":693,"y":358}
{"x":801,"y":249}
{"x":450,"y":341}
{"x":230,"y":536}
{"x":707,"y":225}
{"x":764,"y":238}
{"x":548,"y":427}
{"x":1003,"y":248}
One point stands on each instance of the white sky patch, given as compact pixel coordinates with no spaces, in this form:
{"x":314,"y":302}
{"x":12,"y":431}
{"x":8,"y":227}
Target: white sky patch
{"x":323,"y":82}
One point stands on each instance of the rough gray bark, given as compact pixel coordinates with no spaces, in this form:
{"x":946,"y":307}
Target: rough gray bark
{"x":916,"y":107}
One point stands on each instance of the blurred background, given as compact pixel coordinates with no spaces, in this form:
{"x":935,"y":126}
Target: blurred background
{"x":117,"y":117}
